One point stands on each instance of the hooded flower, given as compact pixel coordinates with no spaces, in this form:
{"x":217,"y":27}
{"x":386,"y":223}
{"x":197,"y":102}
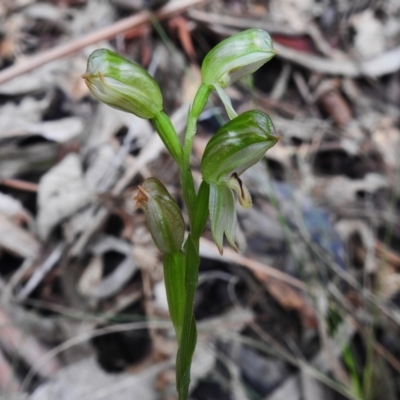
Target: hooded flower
{"x":238,"y":145}
{"x":235,"y":57}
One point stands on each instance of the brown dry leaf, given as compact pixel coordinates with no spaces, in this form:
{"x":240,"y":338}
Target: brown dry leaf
{"x":181,"y":25}
{"x":387,"y":138}
{"x":337,"y":107}
{"x":385,"y":254}
{"x":390,"y":281}
{"x":290,"y":299}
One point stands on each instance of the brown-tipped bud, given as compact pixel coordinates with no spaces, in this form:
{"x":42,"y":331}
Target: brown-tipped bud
{"x":163,"y":216}
{"x":122,"y":84}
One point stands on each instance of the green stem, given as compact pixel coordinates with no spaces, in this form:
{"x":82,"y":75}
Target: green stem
{"x":189,"y":191}
{"x":187,"y":344}
{"x":174,"y":277}
{"x":200,"y":211}
{"x":181,"y":283}
{"x":189,"y":331}
{"x":163,"y":125}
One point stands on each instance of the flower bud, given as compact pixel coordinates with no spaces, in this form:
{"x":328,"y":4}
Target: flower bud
{"x":163,"y":216}
{"x":237,"y":56}
{"x":122,"y":84}
{"x":237,"y":145}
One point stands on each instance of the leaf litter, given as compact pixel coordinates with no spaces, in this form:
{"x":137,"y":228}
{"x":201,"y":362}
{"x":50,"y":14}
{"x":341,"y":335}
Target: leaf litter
{"x":324,"y":228}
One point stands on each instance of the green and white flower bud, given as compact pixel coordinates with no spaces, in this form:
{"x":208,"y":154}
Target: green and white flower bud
{"x":236,"y":146}
{"x":163,"y":216}
{"x":233,"y":58}
{"x":122,"y":84}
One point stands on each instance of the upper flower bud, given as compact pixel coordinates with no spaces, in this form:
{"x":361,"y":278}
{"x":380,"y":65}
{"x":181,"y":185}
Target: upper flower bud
{"x":237,"y":56}
{"x":163,"y":216}
{"x":122,"y":84}
{"x":236,"y":146}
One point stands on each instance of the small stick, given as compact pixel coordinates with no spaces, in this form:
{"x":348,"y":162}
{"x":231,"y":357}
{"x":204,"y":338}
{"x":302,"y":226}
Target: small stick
{"x":66,"y":49}
{"x":20,"y":185}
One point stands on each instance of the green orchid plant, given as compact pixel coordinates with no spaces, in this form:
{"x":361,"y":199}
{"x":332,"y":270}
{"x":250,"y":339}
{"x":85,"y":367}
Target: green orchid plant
{"x":235,"y":147}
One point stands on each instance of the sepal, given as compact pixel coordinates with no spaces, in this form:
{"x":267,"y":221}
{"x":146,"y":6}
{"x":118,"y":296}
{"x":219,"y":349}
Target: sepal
{"x":222,"y":215}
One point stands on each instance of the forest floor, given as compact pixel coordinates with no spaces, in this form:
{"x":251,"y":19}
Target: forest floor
{"x":309,"y":308}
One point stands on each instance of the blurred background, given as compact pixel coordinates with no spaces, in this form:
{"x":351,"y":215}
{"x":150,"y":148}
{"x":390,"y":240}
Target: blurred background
{"x":309,"y":308}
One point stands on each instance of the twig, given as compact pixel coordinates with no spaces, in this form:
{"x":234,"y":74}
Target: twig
{"x":109,"y":32}
{"x":383,"y":64}
{"x":243,"y":23}
{"x":281,"y":84}
{"x":388,"y":254}
{"x":273,"y":28}
{"x":20,"y":185}
{"x":41,"y":272}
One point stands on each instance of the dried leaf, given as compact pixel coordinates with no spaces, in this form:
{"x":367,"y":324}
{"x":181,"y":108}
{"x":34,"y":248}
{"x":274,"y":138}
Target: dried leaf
{"x":16,"y":239}
{"x":369,"y":40}
{"x":62,"y":192}
{"x":11,"y":207}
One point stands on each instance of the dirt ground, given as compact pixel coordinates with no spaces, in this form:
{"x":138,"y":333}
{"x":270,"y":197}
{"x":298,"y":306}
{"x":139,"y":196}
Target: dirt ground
{"x":309,"y":307}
